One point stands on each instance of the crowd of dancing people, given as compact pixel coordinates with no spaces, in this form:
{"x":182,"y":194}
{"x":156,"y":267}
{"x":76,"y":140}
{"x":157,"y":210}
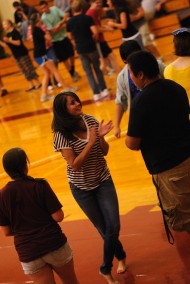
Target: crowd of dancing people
{"x":155,"y":94}
{"x":52,"y":30}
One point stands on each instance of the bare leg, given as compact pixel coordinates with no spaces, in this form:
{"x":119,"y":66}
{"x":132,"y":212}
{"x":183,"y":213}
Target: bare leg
{"x":103,"y":64}
{"x":67,"y":273}
{"x":45,"y":80}
{"x":114,"y":62}
{"x":52,"y":68}
{"x":70,"y":66}
{"x":67,"y":64}
{"x":72,"y":60}
{"x":44,"y":276}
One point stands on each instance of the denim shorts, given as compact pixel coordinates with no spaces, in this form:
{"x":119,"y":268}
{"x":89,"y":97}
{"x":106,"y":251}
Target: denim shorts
{"x":56,"y":258}
{"x":42,"y":59}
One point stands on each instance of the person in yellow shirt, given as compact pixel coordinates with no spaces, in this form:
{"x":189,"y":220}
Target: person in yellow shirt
{"x":179,"y":69}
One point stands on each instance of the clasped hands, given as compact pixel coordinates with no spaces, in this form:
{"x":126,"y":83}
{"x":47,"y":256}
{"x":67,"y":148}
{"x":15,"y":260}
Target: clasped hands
{"x":103,"y":129}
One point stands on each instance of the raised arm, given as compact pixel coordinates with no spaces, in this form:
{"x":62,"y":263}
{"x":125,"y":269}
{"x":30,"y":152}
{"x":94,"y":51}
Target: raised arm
{"x":137,"y":16}
{"x":76,"y":162}
{"x":103,"y":130}
{"x":118,"y":117}
{"x":123,"y":22}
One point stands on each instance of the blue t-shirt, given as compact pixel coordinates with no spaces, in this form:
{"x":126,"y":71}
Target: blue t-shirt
{"x":133,"y":89}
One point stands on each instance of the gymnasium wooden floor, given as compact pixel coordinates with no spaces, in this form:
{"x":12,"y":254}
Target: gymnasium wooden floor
{"x":26,"y":123}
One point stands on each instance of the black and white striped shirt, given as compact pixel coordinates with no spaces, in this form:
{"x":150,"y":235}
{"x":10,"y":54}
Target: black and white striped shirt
{"x":94,"y":169}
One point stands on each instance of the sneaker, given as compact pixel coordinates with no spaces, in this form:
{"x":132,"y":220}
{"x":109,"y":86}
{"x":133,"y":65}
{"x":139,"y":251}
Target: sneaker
{"x":96,"y":97}
{"x":104,"y":93}
{"x":50,"y":88}
{"x":70,"y":89}
{"x":38,"y":86}
{"x":45,"y":98}
{"x":4,"y":92}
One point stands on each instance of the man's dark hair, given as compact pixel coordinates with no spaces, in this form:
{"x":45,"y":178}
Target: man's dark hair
{"x":128,"y":47}
{"x":145,"y":62}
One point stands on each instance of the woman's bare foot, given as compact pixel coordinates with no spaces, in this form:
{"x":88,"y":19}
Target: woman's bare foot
{"x":110,"y":279}
{"x":122,"y":267}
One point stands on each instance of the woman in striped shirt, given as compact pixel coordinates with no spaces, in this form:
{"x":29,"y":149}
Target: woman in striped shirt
{"x":80,"y":139}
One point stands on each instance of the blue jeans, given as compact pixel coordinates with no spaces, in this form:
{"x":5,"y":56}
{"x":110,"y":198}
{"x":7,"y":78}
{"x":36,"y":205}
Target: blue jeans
{"x":89,"y":61}
{"x":101,"y":207}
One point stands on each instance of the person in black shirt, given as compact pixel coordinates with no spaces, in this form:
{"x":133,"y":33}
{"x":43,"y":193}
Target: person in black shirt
{"x":14,"y":41}
{"x":22,"y":15}
{"x":83,"y":30}
{"x":30,"y":212}
{"x":159,"y":126}
{"x":122,"y":10}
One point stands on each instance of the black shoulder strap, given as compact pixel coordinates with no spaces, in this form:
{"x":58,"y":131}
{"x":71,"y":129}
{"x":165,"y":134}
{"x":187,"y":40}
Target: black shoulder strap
{"x":168,"y":232}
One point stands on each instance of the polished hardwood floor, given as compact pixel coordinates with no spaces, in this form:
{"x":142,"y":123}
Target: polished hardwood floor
{"x":26,"y":122}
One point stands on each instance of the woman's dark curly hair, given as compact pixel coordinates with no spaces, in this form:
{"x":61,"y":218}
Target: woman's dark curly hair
{"x":63,"y":121}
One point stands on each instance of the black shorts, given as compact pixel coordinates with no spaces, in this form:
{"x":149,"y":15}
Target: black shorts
{"x":63,"y":49}
{"x":105,"y":49}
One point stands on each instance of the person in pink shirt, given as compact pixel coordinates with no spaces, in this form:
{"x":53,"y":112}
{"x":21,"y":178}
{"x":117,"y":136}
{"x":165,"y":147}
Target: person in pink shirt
{"x":105,"y":52}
